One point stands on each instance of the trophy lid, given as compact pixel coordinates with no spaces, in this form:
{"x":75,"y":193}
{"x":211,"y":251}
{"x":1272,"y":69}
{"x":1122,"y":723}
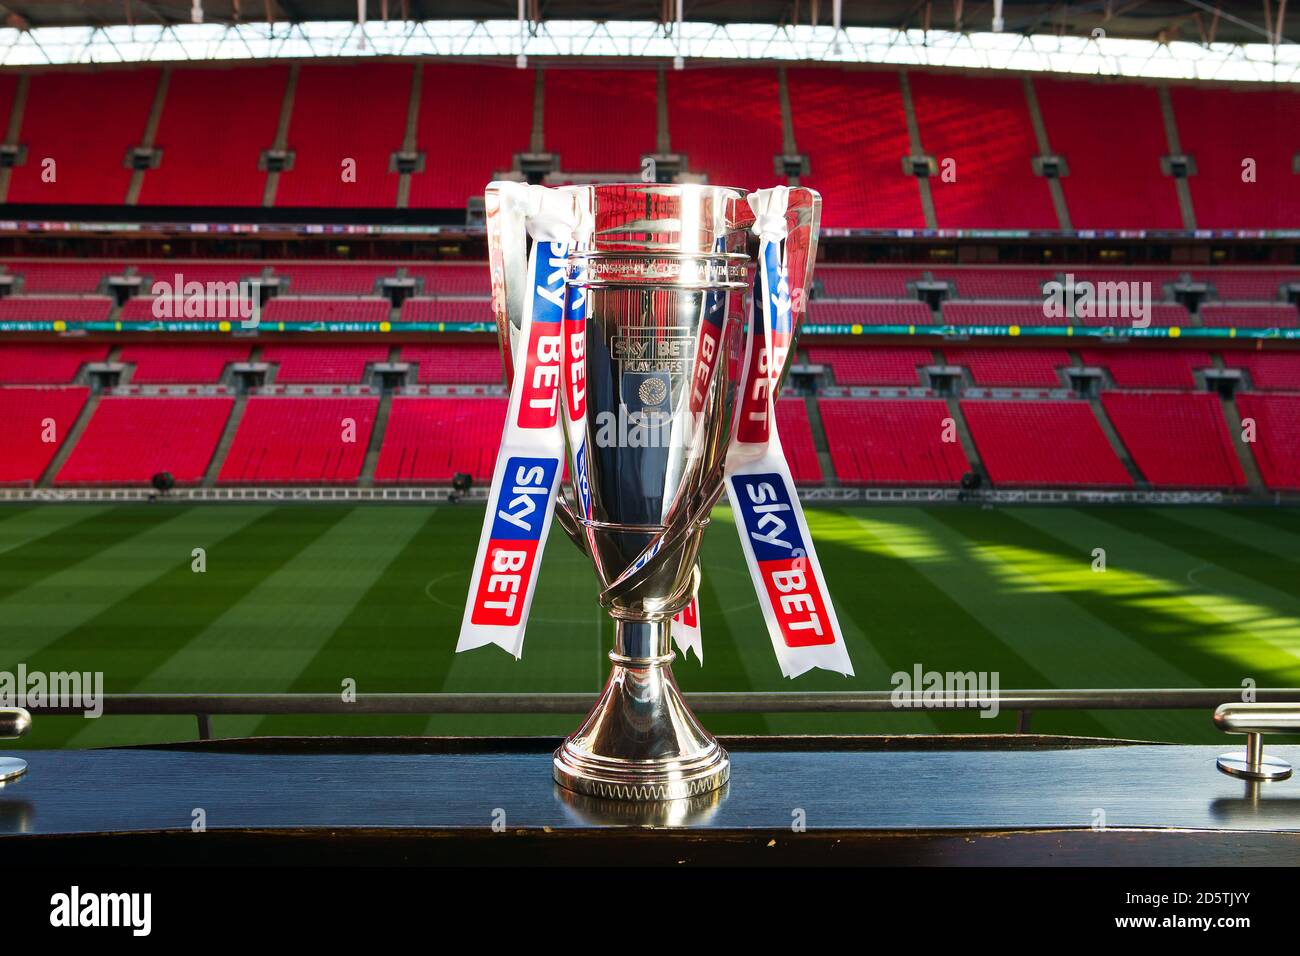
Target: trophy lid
{"x":681,"y":218}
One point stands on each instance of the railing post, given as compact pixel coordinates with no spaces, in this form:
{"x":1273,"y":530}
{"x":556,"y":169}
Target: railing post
{"x":1022,"y":720}
{"x":205,"y":726}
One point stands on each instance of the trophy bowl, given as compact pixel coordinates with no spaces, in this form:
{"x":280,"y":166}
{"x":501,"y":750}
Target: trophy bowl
{"x":657,"y":299}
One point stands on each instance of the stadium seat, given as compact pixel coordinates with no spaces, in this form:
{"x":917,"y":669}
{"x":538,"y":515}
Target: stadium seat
{"x":1277,"y":437}
{"x":981,"y":123}
{"x":998,"y":314}
{"x":60,"y":276}
{"x":214,"y":127}
{"x":1276,"y":371}
{"x":1016,"y":368}
{"x":322,"y":364}
{"x":708,"y":135}
{"x":456,"y":363}
{"x":1043,"y":443}
{"x":1149,"y":368}
{"x":311,"y":278}
{"x":600,"y":120}
{"x":300,"y":441}
{"x":1114,"y":179}
{"x":446,"y":310}
{"x":87,"y":308}
{"x":996,"y":283}
{"x":85,"y":122}
{"x":1176,"y":439}
{"x":348,"y":111}
{"x":196,"y":363}
{"x":26,"y":417}
{"x":461,"y":151}
{"x":1163,"y":315}
{"x":899,"y":312}
{"x":797,"y":441}
{"x":1249,"y":316}
{"x":129,"y":439}
{"x":860,"y":282}
{"x":47,"y":363}
{"x":453,"y":278}
{"x":1247,"y":285}
{"x":852,"y":128}
{"x":894,"y":442}
{"x":322,"y":309}
{"x":430,"y":439}
{"x":872,"y":365}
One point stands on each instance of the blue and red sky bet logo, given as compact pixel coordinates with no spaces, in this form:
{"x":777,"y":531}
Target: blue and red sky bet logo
{"x":539,"y":403}
{"x":768,"y":518}
{"x":510,"y":561}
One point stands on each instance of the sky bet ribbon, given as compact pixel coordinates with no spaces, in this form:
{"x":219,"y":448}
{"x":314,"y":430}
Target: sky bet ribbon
{"x":521,"y":501}
{"x":773,"y":532}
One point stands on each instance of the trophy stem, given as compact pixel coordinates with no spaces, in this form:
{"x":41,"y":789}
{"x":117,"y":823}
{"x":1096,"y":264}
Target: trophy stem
{"x":641,"y":741}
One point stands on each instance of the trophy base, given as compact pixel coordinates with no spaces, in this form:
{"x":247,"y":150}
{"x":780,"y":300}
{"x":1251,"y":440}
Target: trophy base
{"x":641,"y":742}
{"x":11,"y":768}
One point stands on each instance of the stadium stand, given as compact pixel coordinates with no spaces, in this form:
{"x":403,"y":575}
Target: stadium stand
{"x":198,"y":363}
{"x":460,"y":363}
{"x":872,"y":365}
{"x":600,"y":120}
{"x":860,"y":282}
{"x":18,"y":308}
{"x":891,"y":442}
{"x":309,"y":278}
{"x":708,"y":135}
{"x":334,"y":309}
{"x":1163,"y":315}
{"x":47,"y":363}
{"x":300,"y":441}
{"x":197,"y":270}
{"x":129,"y":439}
{"x":1043,"y":443}
{"x":1015,"y":368}
{"x":852,"y":128}
{"x":1176,"y":439}
{"x":1249,"y":316}
{"x":214,"y":127}
{"x":62,"y":277}
{"x":25,"y":415}
{"x":1277,"y":437}
{"x":453,"y":278}
{"x":1276,"y":371}
{"x":430,"y":439}
{"x":357,"y":112}
{"x":461,"y":151}
{"x":446,"y":310}
{"x":1234,"y":285}
{"x":1220,"y":127}
{"x":906,"y":312}
{"x":85,"y":122}
{"x":1149,"y":368}
{"x":997,"y":313}
{"x":141,"y":309}
{"x":983,"y":124}
{"x":996,"y":283}
{"x":322,"y":364}
{"x":1113,"y":178}
{"x":797,"y":441}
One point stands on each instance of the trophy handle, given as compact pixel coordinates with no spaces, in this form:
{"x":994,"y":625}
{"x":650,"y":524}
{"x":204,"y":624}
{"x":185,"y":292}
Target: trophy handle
{"x":803,"y":217}
{"x":507,"y":236}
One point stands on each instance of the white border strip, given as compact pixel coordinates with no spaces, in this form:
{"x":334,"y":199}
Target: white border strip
{"x":1100,"y":56}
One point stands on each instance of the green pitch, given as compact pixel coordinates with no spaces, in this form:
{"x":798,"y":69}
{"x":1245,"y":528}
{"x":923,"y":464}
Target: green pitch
{"x":303,"y":598}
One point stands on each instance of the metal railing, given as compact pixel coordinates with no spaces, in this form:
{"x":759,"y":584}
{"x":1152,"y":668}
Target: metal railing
{"x":1021,"y":702}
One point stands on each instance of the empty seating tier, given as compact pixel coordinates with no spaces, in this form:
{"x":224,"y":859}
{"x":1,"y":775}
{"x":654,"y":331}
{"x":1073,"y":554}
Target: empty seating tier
{"x":998,"y":314}
{"x":600,"y":120}
{"x":894,"y":312}
{"x":858,"y":282}
{"x":47,"y":363}
{"x":130,"y":439}
{"x":430,"y":439}
{"x":22,"y":308}
{"x":456,"y":363}
{"x":996,"y":283}
{"x":1277,"y":437}
{"x":797,"y":441}
{"x":892,"y":442}
{"x":61,"y":276}
{"x":1278,"y":371}
{"x":867,"y":365}
{"x":322,"y":364}
{"x":311,"y":278}
{"x":1176,"y":439}
{"x":194,"y":363}
{"x":34,"y":422}
{"x":1149,"y":368}
{"x":1016,"y":368}
{"x":446,"y":310}
{"x":1249,"y":316}
{"x":321,"y":309}
{"x":300,"y":441}
{"x":1044,"y":443}
{"x":708,"y":135}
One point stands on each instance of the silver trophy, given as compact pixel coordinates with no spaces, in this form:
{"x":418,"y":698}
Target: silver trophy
{"x":662,"y":273}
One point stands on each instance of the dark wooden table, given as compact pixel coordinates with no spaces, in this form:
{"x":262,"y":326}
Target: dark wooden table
{"x":1001,"y":800}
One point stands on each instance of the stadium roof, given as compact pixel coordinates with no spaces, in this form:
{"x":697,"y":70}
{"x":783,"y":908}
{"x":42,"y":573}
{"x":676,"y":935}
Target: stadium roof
{"x":1250,"y":21}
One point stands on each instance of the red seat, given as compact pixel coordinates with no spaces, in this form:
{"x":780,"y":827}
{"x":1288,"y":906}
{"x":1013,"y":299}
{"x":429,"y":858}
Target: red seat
{"x":1043,"y":443}
{"x":430,"y":439}
{"x":891,"y":442}
{"x":1176,"y":439}
{"x":1277,"y":437}
{"x":300,"y":441}
{"x":28,"y":417}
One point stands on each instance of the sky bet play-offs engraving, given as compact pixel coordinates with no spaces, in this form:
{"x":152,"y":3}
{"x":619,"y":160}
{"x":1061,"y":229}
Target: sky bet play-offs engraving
{"x":519,"y":514}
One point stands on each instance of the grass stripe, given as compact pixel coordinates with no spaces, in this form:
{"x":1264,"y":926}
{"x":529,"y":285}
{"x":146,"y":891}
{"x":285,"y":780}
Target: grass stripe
{"x":1233,"y":524}
{"x":21,"y":526}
